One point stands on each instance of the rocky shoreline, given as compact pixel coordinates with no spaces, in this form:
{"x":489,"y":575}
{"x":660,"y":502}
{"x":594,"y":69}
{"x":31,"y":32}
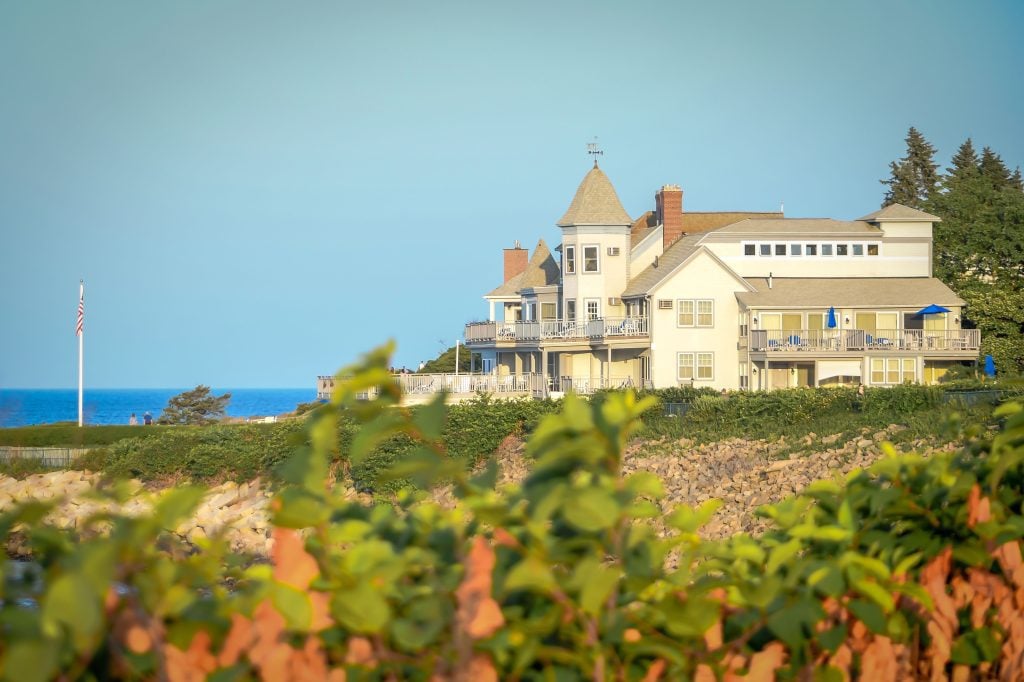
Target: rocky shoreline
{"x":743,"y":474}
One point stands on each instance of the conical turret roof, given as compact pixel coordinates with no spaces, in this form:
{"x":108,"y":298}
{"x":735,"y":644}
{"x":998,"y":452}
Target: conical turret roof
{"x":595,"y":203}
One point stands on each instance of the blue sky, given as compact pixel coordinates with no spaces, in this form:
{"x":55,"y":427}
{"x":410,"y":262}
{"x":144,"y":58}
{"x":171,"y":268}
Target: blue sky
{"x":256,"y":192}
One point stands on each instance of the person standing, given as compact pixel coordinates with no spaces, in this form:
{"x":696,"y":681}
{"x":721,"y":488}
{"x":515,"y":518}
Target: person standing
{"x":147,"y":419}
{"x":132,"y":420}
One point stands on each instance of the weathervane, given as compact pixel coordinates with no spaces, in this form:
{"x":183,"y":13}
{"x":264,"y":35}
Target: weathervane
{"x":593,"y":150}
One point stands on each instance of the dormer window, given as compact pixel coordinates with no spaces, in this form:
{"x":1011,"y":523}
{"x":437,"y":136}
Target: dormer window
{"x":570,"y":260}
{"x":590,"y":262}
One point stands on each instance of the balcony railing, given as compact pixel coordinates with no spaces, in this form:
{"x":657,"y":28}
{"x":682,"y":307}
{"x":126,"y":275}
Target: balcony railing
{"x":426,"y":384}
{"x":836,"y":340}
{"x":554,"y":330}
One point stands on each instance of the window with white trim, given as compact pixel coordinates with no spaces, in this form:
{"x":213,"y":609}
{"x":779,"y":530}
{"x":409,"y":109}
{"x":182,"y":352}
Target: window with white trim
{"x":811,"y":249}
{"x":684,"y":363}
{"x":893,"y":370}
{"x":548,"y":311}
{"x":684,"y":313}
{"x":695,"y":313}
{"x":766,"y":249}
{"x":705,"y":366}
{"x":593,"y":308}
{"x":858,"y":249}
{"x":749,"y":249}
{"x":570,"y":310}
{"x":826,"y":249}
{"x":590,"y":258}
{"x":695,"y":366}
{"x":706,"y":313}
{"x":795,"y":249}
{"x":872,"y":249}
{"x":780,"y":249}
{"x":842,"y":249}
{"x":570,"y":260}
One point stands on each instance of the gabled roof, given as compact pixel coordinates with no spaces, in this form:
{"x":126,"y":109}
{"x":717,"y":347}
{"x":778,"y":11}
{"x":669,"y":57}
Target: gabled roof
{"x":542,"y":270}
{"x":595,"y":203}
{"x":651,"y":276}
{"x":899,"y":212}
{"x":822,"y":292}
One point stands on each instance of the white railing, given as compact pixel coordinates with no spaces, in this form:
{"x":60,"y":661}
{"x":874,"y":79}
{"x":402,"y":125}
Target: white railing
{"x":462,"y":383}
{"x":585,"y":385}
{"x":860,"y":340}
{"x":556,"y":330}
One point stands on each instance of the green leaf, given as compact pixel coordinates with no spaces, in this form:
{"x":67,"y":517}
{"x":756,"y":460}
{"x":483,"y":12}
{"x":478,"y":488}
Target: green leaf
{"x":530,"y":574}
{"x":176,"y":504}
{"x":429,"y":418}
{"x":598,"y":585}
{"x":72,"y":602}
{"x":591,"y":509}
{"x":870,"y":614}
{"x":299,"y":509}
{"x":827,"y":580}
{"x":32,"y":660}
{"x":795,"y":622}
{"x":294,"y":605}
{"x":688,"y":520}
{"x":845,"y":516}
{"x":645,"y":483}
{"x":362,"y":609}
{"x":782,"y":555}
{"x":831,"y":639}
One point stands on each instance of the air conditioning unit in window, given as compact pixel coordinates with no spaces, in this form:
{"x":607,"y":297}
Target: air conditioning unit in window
{"x":613,"y":251}
{"x":614,"y":301}
{"x":664,"y":304}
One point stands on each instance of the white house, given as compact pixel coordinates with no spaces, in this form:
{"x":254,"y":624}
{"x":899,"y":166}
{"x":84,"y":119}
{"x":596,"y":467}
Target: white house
{"x":726,"y":300}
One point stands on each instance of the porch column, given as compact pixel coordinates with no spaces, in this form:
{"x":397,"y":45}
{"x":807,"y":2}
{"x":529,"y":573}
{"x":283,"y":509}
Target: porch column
{"x":492,"y":310}
{"x":608,"y":378}
{"x":544,"y":370}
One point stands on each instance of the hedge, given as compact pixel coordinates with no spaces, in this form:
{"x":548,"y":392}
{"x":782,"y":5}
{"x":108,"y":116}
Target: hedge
{"x":912,"y":569}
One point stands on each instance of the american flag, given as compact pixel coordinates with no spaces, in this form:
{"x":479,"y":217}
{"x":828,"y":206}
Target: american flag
{"x":81,"y":311}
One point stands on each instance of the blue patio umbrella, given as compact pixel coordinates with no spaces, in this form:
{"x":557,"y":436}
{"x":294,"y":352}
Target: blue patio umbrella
{"x":832,"y":322}
{"x":990,"y":366}
{"x":932,"y":310}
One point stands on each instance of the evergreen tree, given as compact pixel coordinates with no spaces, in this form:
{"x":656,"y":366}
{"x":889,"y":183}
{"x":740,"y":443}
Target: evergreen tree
{"x":197,"y":406}
{"x":1016,"y":182}
{"x":993,"y":168}
{"x":914,"y":178}
{"x":979,"y":249}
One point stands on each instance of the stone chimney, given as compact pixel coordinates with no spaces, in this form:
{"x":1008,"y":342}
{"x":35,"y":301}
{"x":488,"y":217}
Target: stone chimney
{"x":516,"y":260}
{"x":669,"y":213}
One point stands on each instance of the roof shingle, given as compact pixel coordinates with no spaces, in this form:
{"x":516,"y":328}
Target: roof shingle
{"x":595,"y":203}
{"x":822,"y":292}
{"x":542,"y":270}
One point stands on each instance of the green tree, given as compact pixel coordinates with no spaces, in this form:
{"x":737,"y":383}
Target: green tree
{"x":979,"y":249}
{"x":445,"y":362}
{"x":914,"y":178}
{"x":197,"y":406}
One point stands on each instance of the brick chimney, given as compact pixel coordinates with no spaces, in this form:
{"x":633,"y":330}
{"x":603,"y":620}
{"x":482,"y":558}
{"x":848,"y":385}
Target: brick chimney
{"x":669,"y":212}
{"x":516,"y":260}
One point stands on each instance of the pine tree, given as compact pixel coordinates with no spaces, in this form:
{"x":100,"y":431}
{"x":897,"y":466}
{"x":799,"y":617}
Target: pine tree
{"x":965,"y":164}
{"x":914,"y":178}
{"x":1016,"y":182}
{"x":197,"y":406}
{"x":993,"y":168}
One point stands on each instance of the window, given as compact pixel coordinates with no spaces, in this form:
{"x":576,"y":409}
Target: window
{"x":705,"y":366}
{"x":766,"y":249}
{"x":685,"y":366}
{"x":872,"y":249}
{"x":570,"y":310}
{"x":548,"y":311}
{"x":684,"y":313}
{"x":744,"y":377}
{"x":858,"y":249}
{"x":570,"y":260}
{"x":531,"y":312}
{"x":794,"y":249}
{"x":816,"y":321}
{"x":749,"y":249}
{"x":893,"y":370}
{"x":780,"y":249}
{"x":705,"y":313}
{"x":811,"y":249}
{"x":826,"y":249}
{"x":744,"y":324}
{"x":593,"y":308}
{"x":590,"y":263}
{"x":842,"y":249}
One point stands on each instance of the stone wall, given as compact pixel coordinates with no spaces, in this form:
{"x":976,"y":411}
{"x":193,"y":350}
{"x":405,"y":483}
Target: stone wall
{"x":743,"y":474}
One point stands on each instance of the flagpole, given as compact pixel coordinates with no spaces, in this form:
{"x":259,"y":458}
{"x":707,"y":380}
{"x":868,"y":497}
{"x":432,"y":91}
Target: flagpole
{"x":81,"y":336}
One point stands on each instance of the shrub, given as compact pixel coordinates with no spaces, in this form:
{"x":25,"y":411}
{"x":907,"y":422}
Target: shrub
{"x":909,"y":570}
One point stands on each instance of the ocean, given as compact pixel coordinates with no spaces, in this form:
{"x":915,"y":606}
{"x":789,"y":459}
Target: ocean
{"x":23,"y":407}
